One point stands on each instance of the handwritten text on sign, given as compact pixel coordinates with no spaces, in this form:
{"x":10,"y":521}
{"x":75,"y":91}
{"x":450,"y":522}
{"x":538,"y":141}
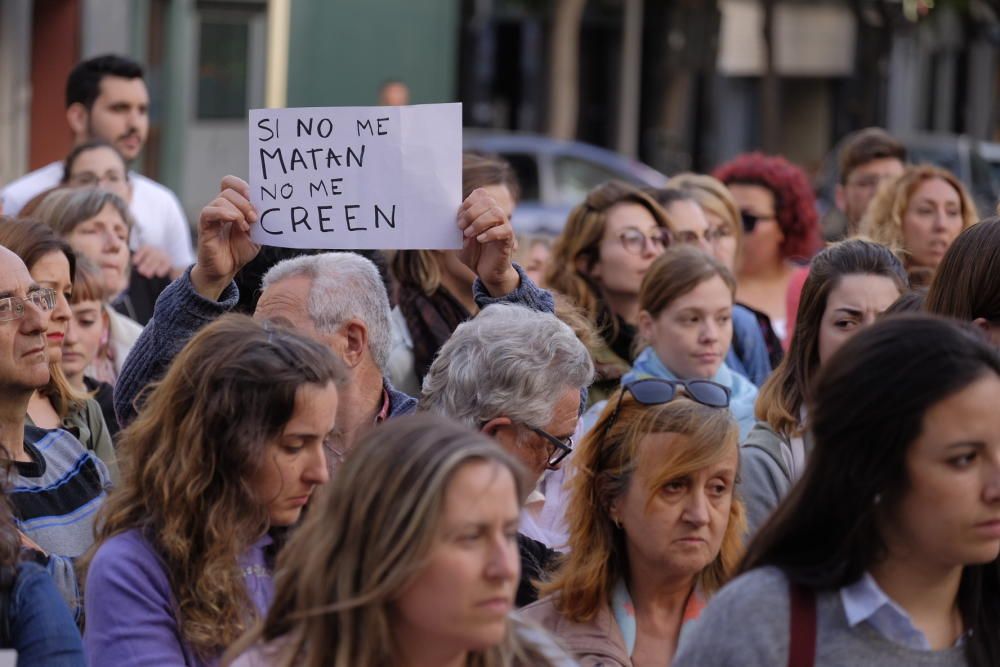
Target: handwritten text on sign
{"x":357,"y":177}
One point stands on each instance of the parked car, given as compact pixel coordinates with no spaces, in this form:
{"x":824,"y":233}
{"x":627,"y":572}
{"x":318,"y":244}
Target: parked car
{"x":556,"y":175}
{"x":969,"y":159}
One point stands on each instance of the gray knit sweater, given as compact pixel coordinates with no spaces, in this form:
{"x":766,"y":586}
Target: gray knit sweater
{"x":746,"y":625}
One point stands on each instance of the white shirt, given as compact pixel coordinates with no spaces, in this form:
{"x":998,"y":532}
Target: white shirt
{"x":159,"y":218}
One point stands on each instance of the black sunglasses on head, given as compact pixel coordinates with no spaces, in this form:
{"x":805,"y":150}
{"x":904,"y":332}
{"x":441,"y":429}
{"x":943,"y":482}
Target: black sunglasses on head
{"x":656,"y":391}
{"x":750,"y":220}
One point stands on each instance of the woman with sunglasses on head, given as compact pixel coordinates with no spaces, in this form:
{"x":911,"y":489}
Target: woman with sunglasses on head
{"x":685,"y":324}
{"x":780,"y":229}
{"x":222,"y":459}
{"x":967,"y":283}
{"x":598,"y":262}
{"x":409,"y":558}
{"x":887,"y":552}
{"x":850,"y":284}
{"x":655,"y":526}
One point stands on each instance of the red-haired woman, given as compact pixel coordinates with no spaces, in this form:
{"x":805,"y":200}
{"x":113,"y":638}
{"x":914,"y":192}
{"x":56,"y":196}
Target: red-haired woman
{"x":781,"y":230}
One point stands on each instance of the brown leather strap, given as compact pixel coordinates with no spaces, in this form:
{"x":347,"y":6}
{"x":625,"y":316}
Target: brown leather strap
{"x":802,"y":626}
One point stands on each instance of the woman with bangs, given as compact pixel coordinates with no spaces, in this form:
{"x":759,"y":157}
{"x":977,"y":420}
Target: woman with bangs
{"x":598,"y":262}
{"x":655,"y":526}
{"x":219,"y":463}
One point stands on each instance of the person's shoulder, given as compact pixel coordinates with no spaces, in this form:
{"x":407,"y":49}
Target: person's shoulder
{"x":29,"y":185}
{"x":758,"y":587}
{"x":144,"y":186}
{"x":127,"y":551}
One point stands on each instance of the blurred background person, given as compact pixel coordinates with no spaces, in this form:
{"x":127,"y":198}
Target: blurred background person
{"x":967,"y":283}
{"x":98,"y":164}
{"x":919,"y":215}
{"x":886,"y":551}
{"x":867,"y":158}
{"x":434,"y":287}
{"x":849,"y":285}
{"x":598,"y":262}
{"x":534,"y":254}
{"x":221,"y":460}
{"x":97,"y":224}
{"x":780,"y":232}
{"x":409,"y":558}
{"x":655,"y":524}
{"x":393,"y":93}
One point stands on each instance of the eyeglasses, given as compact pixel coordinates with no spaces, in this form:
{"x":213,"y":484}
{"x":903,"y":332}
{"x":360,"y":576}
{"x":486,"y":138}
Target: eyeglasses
{"x":750,"y":220}
{"x":656,"y":391}
{"x":634,"y":241}
{"x":86,"y":179}
{"x":558,"y":449}
{"x":12,"y":307}
{"x":720,"y":232}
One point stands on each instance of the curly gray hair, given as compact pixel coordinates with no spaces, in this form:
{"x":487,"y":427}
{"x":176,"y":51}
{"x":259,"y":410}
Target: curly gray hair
{"x":344,"y":286}
{"x":509,"y":361}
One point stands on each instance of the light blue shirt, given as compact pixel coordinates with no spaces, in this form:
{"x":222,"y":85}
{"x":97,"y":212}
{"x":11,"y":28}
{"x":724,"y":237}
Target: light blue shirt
{"x":865,"y":602}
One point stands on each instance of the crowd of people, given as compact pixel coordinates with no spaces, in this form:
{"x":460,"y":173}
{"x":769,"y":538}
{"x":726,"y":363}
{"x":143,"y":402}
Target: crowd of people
{"x":686,"y":431}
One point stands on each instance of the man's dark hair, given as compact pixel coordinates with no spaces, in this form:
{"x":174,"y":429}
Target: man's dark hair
{"x":84,"y":82}
{"x":871,"y":143}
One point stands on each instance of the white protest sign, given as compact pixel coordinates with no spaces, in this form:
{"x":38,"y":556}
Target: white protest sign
{"x":357,"y":177}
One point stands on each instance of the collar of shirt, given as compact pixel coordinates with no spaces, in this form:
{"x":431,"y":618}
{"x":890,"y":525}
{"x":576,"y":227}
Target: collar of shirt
{"x":383,"y":414}
{"x":865,"y":602}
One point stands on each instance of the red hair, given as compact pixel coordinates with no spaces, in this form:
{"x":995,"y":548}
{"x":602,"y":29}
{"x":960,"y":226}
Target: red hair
{"x":794,"y":203}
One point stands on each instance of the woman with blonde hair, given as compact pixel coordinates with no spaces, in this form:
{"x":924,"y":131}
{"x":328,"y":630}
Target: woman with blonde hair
{"x":655,"y":525}
{"x":918,"y":215}
{"x":434,"y":287}
{"x":748,"y":354}
{"x":223,"y":457}
{"x":598,"y":261}
{"x":409,"y":558}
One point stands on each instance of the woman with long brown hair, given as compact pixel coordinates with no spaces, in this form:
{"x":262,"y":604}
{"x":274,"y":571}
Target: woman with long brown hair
{"x":849,"y":285}
{"x":655,"y":525}
{"x":598,"y":261}
{"x":409,"y":558}
{"x":224,"y":455}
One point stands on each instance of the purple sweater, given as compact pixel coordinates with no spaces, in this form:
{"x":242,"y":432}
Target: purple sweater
{"x":131,"y":611}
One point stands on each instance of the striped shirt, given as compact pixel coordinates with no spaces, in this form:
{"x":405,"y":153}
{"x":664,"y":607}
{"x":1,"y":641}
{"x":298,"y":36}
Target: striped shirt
{"x":56,"y":496}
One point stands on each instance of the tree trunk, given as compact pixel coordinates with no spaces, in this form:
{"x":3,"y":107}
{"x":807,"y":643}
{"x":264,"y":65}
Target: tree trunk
{"x":770,"y":97}
{"x":564,"y":68}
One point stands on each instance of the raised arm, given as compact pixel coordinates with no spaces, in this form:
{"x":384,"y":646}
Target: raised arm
{"x":200,"y":295}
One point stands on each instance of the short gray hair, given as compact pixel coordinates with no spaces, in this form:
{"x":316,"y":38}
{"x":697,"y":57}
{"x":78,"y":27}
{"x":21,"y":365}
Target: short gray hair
{"x":509,"y":361}
{"x":344,"y":286}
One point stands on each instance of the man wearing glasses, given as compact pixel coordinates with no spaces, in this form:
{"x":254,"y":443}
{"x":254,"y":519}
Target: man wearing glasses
{"x":517,"y":375}
{"x":54,"y":484}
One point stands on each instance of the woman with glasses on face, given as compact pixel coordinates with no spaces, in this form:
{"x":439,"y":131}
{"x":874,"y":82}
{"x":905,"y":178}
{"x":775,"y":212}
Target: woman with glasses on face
{"x":887,"y":551}
{"x":598,"y":262}
{"x":655,"y":526}
{"x":701,"y":207}
{"x":780,"y":229}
